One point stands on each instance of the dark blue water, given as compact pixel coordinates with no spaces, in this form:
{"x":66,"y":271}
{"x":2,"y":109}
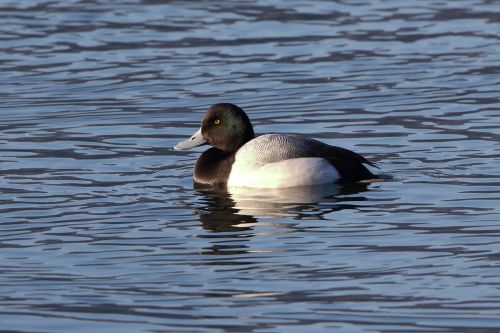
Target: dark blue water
{"x":102,"y":231}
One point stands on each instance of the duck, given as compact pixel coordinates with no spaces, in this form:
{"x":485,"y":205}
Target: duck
{"x":239,"y":158}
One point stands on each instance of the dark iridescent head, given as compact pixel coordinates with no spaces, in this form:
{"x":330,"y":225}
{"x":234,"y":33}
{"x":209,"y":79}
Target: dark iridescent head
{"x":224,"y":126}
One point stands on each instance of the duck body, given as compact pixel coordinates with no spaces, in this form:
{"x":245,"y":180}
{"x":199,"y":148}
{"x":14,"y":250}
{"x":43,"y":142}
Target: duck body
{"x":239,"y":159}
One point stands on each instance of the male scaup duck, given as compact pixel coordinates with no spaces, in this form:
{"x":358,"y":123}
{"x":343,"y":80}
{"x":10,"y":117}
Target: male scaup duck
{"x":240,"y":159}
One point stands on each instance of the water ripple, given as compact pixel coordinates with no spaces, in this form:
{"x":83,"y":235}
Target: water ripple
{"x":101,"y":228}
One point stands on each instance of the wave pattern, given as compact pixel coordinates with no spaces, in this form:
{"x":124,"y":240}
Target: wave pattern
{"x":100,"y":228}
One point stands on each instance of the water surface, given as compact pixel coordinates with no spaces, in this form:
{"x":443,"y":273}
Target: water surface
{"x":101,"y":229}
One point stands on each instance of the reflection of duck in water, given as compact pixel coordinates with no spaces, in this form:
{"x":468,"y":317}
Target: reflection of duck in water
{"x":239,"y":159}
{"x":219,"y":212}
{"x":237,"y":209}
{"x":234,"y":216}
{"x":297,"y":202}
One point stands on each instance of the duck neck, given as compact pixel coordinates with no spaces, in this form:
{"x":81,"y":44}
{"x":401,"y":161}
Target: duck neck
{"x":250,"y":135}
{"x":213,"y":166}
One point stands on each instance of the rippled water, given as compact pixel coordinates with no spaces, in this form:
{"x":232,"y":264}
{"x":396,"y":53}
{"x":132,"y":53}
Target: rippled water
{"x":102,"y":231}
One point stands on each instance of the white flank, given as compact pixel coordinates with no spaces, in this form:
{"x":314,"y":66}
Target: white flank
{"x":287,"y":173}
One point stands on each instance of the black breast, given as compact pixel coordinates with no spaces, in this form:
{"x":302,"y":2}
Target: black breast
{"x":213,"y":167}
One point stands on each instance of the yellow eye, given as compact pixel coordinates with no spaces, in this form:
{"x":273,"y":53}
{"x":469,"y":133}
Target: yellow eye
{"x":217,"y":121}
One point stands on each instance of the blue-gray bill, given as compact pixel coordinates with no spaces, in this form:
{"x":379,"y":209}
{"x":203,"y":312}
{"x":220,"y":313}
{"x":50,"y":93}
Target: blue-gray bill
{"x":194,"y":141}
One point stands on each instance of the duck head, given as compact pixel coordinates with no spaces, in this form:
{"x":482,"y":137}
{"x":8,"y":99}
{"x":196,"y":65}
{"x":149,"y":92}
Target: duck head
{"x":225,"y":126}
